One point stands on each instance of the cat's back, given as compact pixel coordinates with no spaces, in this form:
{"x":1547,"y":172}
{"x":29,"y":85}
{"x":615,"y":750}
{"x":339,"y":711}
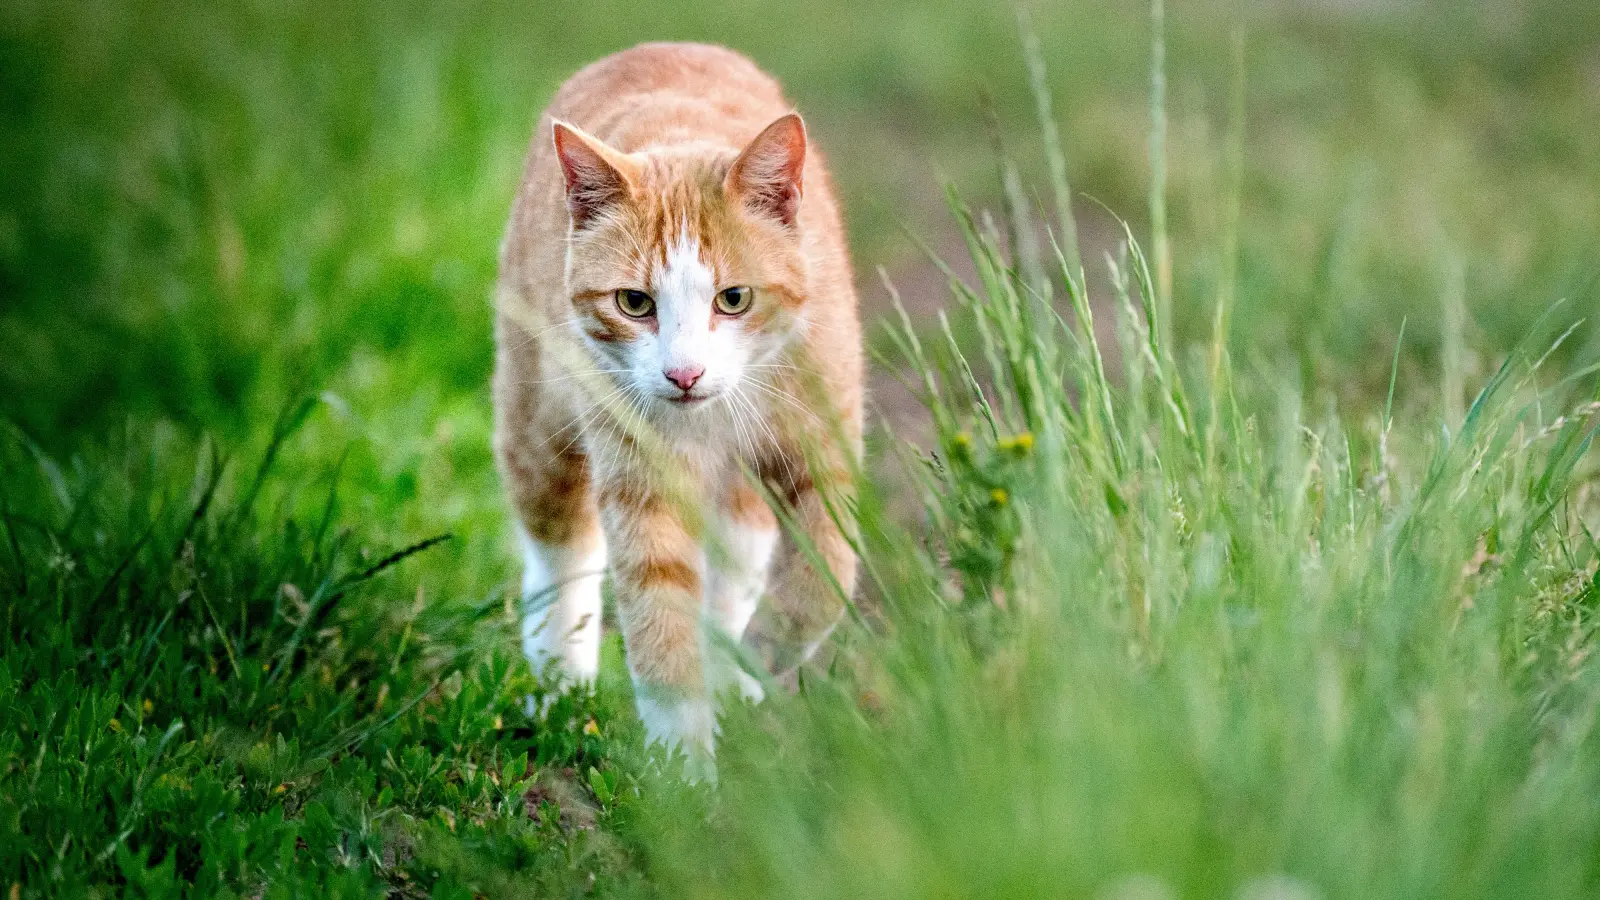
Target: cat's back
{"x":661,"y":93}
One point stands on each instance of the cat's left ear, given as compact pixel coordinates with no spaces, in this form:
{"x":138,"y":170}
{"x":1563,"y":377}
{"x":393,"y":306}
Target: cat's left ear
{"x":766,"y":176}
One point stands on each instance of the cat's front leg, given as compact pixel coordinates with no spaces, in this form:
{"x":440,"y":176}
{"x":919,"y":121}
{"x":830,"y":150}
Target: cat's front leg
{"x":563,"y":548}
{"x":561,"y":603}
{"x":738,"y":557}
{"x":658,"y":576}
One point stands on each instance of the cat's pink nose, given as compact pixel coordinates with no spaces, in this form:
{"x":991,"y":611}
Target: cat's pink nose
{"x":684,"y":376}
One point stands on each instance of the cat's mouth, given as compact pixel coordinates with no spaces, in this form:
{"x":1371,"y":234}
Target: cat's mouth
{"x":688,"y":400}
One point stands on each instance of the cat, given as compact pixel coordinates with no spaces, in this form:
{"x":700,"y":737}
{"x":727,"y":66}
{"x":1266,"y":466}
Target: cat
{"x":678,"y":354}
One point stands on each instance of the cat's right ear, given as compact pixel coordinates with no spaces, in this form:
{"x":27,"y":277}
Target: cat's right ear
{"x":596,"y":175}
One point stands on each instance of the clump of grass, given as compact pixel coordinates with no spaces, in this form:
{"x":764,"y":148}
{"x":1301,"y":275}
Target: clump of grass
{"x":1164,"y":633}
{"x":217,"y":689}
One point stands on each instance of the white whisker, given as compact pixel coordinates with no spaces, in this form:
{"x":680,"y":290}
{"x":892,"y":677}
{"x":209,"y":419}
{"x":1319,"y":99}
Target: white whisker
{"x":777,"y":447}
{"x":577,"y":420}
{"x":532,"y":336}
{"x":747,"y":436}
{"x":571,"y":375}
{"x":778,"y":393}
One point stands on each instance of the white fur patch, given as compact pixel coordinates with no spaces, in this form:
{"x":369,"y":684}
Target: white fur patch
{"x":685,"y":284}
{"x":739,"y":576}
{"x":561,"y":603}
{"x":680,"y":723}
{"x":684,"y":288}
{"x":737,"y":579}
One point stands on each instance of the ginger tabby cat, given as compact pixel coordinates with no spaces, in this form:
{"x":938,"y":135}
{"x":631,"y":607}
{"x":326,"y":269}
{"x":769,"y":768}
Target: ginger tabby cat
{"x":678,"y":341}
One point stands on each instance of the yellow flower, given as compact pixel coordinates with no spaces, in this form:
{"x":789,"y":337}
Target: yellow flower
{"x":280,"y":789}
{"x":147,"y":707}
{"x":962,"y":439}
{"x":590,"y":727}
{"x":1000,"y":496}
{"x":1022,"y":442}
{"x":114,"y":725}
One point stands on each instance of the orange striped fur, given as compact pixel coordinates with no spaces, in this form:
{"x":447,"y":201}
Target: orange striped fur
{"x":677,"y":326}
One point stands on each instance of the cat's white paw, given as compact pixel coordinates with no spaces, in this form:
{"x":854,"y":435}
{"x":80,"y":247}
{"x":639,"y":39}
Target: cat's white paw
{"x":750,"y":687}
{"x":681,"y":723}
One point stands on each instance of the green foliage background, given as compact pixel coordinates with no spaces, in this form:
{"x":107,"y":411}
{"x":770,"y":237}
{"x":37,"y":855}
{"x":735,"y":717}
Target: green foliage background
{"x":229,"y":667}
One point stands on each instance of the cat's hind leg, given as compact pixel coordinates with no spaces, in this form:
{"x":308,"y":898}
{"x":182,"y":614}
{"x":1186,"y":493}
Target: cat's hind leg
{"x":807,"y":600}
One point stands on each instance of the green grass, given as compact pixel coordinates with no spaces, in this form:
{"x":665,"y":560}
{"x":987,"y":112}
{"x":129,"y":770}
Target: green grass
{"x":1142,"y":652}
{"x":1297,"y":602}
{"x":199,"y":691}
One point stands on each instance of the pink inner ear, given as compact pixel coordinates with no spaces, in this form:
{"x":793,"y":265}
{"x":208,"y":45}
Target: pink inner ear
{"x":767,"y":175}
{"x":593,"y":182}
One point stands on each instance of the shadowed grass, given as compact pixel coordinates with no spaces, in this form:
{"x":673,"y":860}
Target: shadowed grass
{"x":200,"y":696}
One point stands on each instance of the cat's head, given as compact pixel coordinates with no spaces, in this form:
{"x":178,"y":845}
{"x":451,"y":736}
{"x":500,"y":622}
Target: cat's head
{"x":684,"y":262}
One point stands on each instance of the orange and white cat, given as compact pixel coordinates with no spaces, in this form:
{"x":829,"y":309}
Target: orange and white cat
{"x":678,"y":341}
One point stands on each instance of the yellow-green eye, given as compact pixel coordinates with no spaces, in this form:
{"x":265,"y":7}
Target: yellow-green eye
{"x":734,"y":300}
{"x":637,"y":304}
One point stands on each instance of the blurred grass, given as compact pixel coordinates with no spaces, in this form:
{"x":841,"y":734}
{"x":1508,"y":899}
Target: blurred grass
{"x":208,"y":212}
{"x":1142,"y":650}
{"x":245,"y":197}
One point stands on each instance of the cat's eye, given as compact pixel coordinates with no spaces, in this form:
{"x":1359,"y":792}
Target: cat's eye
{"x":734,"y":300}
{"x":636,"y":304}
